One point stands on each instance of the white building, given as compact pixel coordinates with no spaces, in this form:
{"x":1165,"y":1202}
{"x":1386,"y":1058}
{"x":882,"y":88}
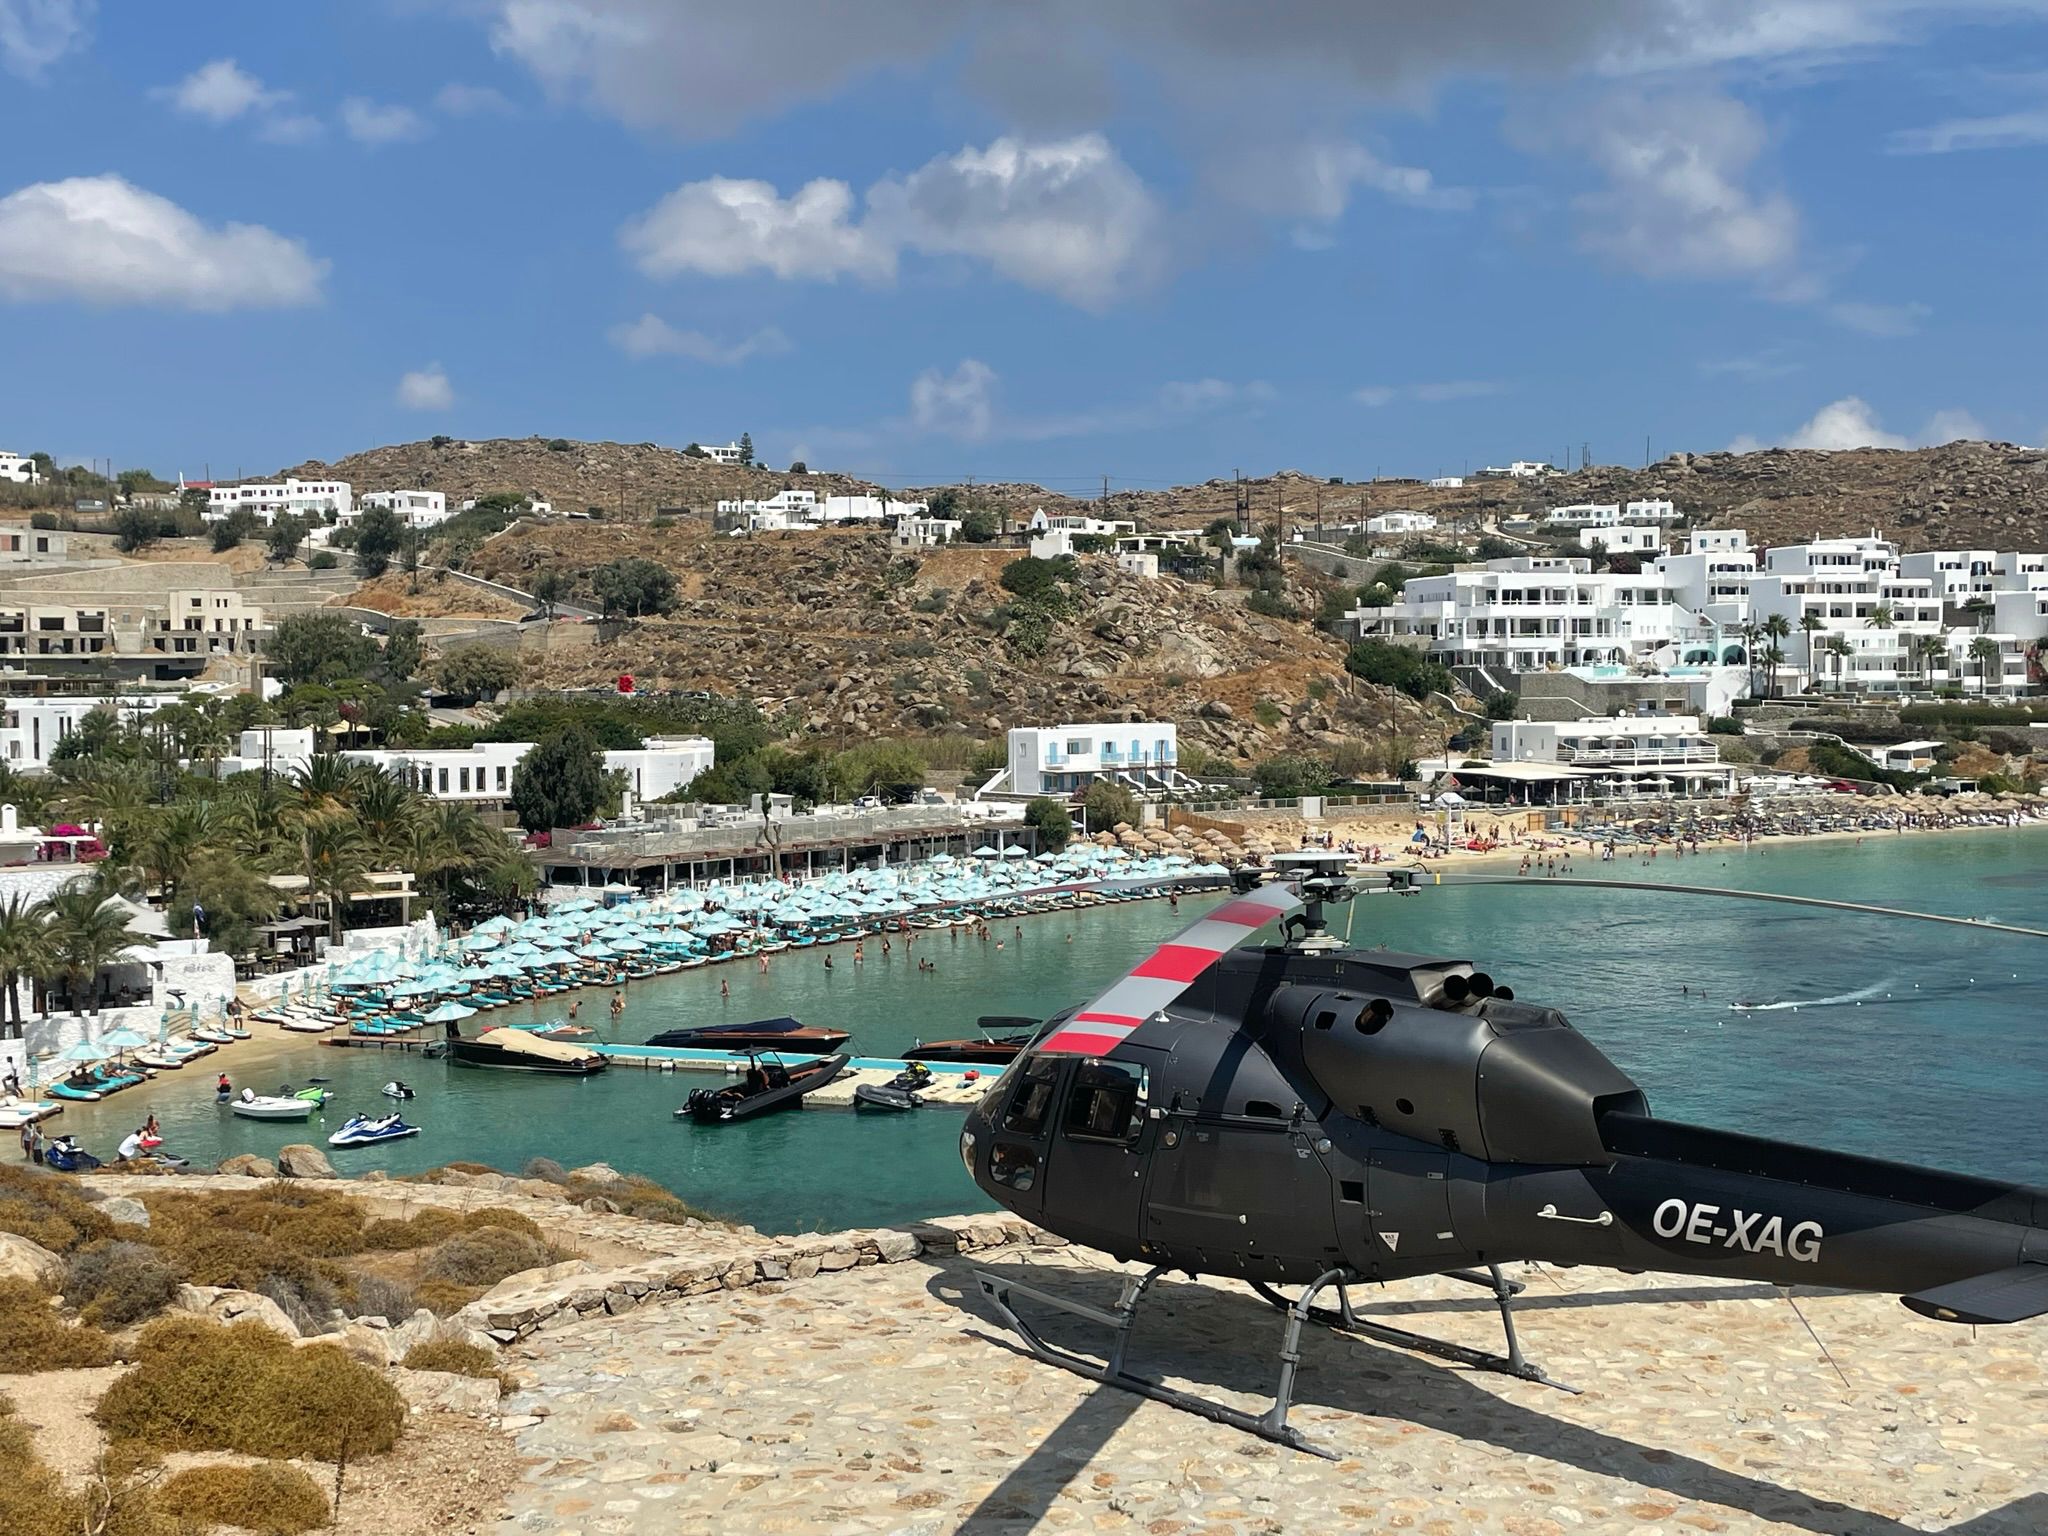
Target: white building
{"x":1622,"y":540}
{"x":1712,"y":577}
{"x":282,"y":750}
{"x":326,"y":500}
{"x":23,"y":545}
{"x":1400,"y":522}
{"x":416,"y":509}
{"x":729,"y":454}
{"x":31,"y":728}
{"x":1611,"y":514}
{"x":1630,"y":755}
{"x":1520,"y":469}
{"x":484,"y":773}
{"x":1834,"y":592}
{"x":1447,"y":483}
{"x":1064,"y":759}
{"x":925,"y":532}
{"x":19,"y":468}
{"x":868,"y":509}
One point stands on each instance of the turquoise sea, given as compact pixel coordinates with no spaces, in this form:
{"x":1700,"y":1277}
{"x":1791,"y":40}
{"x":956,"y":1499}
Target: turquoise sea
{"x":1904,"y":1040}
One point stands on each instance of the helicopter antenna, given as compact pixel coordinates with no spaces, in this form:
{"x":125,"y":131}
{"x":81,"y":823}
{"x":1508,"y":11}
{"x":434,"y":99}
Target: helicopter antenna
{"x":1400,"y":879}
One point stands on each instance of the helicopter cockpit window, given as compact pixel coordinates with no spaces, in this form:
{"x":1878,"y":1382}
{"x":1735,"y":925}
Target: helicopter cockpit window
{"x":1032,"y":1101}
{"x":1106,"y":1102}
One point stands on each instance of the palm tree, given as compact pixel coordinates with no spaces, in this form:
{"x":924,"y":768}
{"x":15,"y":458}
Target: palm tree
{"x":326,"y":788}
{"x":24,"y":953}
{"x":1775,"y":629}
{"x":511,"y":878}
{"x":1927,"y":648}
{"x":1811,"y":624}
{"x":169,"y":842}
{"x":333,"y":857}
{"x":87,"y":931}
{"x":1984,"y":651}
{"x":1749,"y":632}
{"x":1838,"y":647}
{"x":385,"y":809}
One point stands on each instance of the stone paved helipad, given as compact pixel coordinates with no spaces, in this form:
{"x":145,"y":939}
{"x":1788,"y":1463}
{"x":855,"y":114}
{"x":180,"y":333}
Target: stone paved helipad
{"x":885,"y":1399}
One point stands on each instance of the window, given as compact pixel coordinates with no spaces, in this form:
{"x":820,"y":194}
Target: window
{"x":1032,"y":1099}
{"x":464,"y":779}
{"x":444,"y":780}
{"x":501,"y":776}
{"x":1105,"y":1102}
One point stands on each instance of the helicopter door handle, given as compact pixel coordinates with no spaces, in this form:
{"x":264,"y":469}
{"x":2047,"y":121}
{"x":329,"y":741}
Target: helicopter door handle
{"x":1551,"y":1213}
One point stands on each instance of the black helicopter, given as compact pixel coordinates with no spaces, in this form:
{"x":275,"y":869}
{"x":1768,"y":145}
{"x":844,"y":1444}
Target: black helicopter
{"x":1303,"y":1113}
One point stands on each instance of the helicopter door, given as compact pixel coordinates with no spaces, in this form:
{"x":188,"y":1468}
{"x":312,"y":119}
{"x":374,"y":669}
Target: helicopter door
{"x":1097,"y":1165}
{"x":1408,"y":1210}
{"x":1023,"y":1133}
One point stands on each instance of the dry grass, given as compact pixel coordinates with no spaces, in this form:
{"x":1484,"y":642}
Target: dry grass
{"x":270,"y":1498}
{"x":114,"y":1283}
{"x":486,"y":1256}
{"x":43,"y":1208}
{"x":33,"y":1337}
{"x":199,"y":1386}
{"x":34,"y":1501}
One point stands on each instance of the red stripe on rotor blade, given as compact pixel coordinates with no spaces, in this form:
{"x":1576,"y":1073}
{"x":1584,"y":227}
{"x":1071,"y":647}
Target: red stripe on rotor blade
{"x":1120,"y":1020}
{"x":1245,"y":914}
{"x":1176,"y":962}
{"x":1082,"y":1042}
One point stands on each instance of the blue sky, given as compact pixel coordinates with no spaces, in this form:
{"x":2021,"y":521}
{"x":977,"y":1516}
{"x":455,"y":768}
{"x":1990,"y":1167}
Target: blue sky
{"x":922,"y":239}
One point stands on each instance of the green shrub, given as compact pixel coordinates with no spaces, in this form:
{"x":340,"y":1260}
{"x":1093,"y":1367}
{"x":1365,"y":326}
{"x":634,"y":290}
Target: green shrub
{"x":1398,"y":666}
{"x":35,"y":1502}
{"x":294,"y":1216}
{"x":114,"y":1283}
{"x":1724,"y":725}
{"x":430,"y":1226}
{"x":272,"y":1499}
{"x":503,"y":1219}
{"x":485,"y":1256}
{"x":199,"y":1386}
{"x":381,"y":1296}
{"x":309,"y":1304}
{"x":34,"y":1338}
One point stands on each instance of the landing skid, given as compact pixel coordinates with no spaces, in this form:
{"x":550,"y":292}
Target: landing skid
{"x":1513,"y":1363}
{"x":1270,"y":1425}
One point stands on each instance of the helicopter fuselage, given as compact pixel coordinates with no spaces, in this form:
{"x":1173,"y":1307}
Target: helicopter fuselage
{"x":1294,"y":1112}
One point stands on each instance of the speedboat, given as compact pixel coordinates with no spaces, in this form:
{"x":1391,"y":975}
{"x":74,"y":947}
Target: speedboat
{"x":767,"y":1087}
{"x":521,"y":1050}
{"x":988,"y":1049}
{"x":783,"y":1034}
{"x":364,"y":1131}
{"x":270,"y":1107}
{"x":396,"y":1090}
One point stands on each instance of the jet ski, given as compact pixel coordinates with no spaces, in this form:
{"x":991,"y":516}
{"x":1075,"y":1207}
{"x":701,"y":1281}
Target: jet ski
{"x":397,"y":1090}
{"x":65,"y":1155}
{"x":364,"y":1131}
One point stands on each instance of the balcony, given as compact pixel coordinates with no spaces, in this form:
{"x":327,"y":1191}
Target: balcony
{"x":1678,"y":754}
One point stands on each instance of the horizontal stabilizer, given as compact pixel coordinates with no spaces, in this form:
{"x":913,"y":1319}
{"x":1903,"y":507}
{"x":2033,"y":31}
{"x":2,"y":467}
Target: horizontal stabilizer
{"x":2003,"y":1296}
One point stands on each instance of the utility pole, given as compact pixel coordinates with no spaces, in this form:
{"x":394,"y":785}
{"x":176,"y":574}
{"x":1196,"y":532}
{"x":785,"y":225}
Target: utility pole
{"x":1646,"y":450}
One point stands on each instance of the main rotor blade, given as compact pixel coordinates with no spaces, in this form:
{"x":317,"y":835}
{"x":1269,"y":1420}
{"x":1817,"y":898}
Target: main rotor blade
{"x":1439,"y":878}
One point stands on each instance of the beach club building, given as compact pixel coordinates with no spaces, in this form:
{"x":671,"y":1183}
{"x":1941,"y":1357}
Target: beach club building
{"x":484,"y":773}
{"x":1627,"y":756}
{"x":1065,"y":759}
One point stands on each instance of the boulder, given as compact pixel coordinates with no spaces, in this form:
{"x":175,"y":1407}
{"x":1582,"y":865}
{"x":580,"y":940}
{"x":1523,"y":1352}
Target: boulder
{"x":461,"y":1179}
{"x":300,"y":1161}
{"x":597,"y":1173}
{"x":128,"y":1212}
{"x":473,"y":1395}
{"x":372,"y":1346}
{"x":21,"y":1259}
{"x":249,"y":1166}
{"x":895,"y":1246}
{"x":226,"y":1305}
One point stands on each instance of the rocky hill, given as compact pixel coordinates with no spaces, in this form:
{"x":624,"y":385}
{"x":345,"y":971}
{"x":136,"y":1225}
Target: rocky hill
{"x":616,"y":479}
{"x":860,"y":640}
{"x":1961,"y":495}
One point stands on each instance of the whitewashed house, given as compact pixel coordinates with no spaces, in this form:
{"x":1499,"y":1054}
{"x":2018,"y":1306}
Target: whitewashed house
{"x":325,"y":500}
{"x":19,"y":468}
{"x":416,"y":509}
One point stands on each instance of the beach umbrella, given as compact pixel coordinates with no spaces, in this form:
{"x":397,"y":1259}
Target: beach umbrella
{"x":84,"y":1051}
{"x":449,"y":1013}
{"x":124,"y":1039}
{"x":1014,"y":851}
{"x":477,"y":942}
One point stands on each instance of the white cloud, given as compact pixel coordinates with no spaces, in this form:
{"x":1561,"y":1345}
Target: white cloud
{"x":960,"y":404}
{"x":2005,"y":130}
{"x":1067,"y":218}
{"x":1678,"y":199}
{"x":1316,"y":180}
{"x":652,"y":336}
{"x":290,"y":128}
{"x":220,"y":92}
{"x":1886,"y":320}
{"x":426,"y":389}
{"x":1851,"y":423}
{"x":377,"y":123}
{"x":1214,"y":394}
{"x":456,"y":99}
{"x":102,"y":240}
{"x":34,"y":34}
{"x":1770,"y":363}
{"x":1440,"y":393}
{"x":723,"y":228}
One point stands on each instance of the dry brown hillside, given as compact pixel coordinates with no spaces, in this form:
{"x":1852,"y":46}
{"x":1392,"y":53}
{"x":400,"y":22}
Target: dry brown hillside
{"x":638,"y":477}
{"x":859,"y":640}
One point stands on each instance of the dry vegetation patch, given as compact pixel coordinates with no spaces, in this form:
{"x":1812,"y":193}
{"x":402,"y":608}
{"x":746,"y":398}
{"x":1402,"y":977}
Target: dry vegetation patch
{"x":269,"y":1498}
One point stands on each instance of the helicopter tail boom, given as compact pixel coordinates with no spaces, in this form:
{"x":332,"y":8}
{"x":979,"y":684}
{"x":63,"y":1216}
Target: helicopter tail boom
{"x":1694,"y":1200}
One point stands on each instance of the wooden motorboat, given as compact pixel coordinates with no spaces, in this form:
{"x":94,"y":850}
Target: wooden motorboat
{"x":988,"y":1049}
{"x":522,"y":1050}
{"x":767,"y":1087}
{"x":783,"y":1034}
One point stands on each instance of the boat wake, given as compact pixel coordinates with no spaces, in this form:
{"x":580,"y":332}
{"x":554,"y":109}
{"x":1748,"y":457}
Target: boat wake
{"x":1861,"y":995}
